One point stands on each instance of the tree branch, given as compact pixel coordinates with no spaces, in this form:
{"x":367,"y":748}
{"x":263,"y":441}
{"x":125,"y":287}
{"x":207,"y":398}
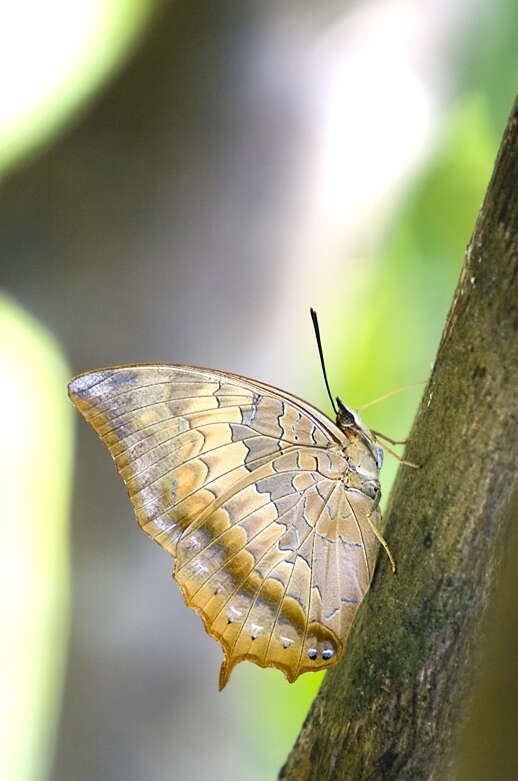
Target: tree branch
{"x":393,"y":706}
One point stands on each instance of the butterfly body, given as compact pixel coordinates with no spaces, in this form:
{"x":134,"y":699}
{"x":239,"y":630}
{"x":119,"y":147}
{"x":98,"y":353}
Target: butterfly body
{"x":267,"y":505}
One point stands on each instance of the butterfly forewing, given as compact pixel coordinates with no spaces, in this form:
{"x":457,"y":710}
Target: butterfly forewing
{"x":247,"y":487}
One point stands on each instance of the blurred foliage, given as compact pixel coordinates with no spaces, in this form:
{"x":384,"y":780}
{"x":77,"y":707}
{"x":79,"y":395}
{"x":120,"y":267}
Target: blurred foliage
{"x":109,"y":34}
{"x":490,"y":62}
{"x":275,"y":710}
{"x":402,"y":306}
{"x":36,"y":467}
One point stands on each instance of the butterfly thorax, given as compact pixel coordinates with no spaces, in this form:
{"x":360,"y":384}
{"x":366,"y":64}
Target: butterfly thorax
{"x":362,"y":467}
{"x":361,"y":454}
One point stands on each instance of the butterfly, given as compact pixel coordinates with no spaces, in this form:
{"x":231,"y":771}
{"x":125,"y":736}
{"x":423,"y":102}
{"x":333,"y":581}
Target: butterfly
{"x":270,"y":508}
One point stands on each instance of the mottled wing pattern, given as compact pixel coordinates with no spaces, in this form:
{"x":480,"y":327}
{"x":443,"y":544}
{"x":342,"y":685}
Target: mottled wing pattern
{"x":245,"y":486}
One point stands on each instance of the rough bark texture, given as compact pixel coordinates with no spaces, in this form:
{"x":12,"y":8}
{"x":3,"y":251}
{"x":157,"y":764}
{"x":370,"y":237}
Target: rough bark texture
{"x":393,"y":706}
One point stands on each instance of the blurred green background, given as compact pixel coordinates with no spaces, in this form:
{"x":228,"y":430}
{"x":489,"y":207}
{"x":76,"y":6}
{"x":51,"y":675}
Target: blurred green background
{"x":181,"y":182}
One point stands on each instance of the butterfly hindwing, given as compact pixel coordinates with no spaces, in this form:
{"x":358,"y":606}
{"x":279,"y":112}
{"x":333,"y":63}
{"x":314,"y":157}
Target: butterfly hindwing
{"x":243,"y":484}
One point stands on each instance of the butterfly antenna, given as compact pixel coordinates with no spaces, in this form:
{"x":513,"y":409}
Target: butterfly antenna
{"x":391,"y":393}
{"x":320,"y":352}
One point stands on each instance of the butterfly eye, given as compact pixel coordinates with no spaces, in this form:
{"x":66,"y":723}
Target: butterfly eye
{"x":371,"y":488}
{"x":379,"y":453}
{"x":344,"y":417}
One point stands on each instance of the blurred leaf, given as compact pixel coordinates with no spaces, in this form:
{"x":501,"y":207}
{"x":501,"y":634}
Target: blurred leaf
{"x":35,"y":462}
{"x":393,"y":320}
{"x":73,"y":48}
{"x":489,"y":63}
{"x":275,"y":711}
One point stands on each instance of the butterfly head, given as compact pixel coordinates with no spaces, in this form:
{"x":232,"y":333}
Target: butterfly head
{"x":348,"y":420}
{"x":347,"y":417}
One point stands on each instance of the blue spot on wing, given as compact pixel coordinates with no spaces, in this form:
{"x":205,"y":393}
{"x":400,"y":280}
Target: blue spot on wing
{"x":379,"y":451}
{"x":327,"y":654}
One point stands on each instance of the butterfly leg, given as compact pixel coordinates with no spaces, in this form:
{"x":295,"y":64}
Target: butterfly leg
{"x":379,"y":435}
{"x":398,"y":458}
{"x":380,"y":538}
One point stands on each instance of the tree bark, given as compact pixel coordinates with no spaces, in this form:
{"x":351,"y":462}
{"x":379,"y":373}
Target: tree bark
{"x":393,"y":707}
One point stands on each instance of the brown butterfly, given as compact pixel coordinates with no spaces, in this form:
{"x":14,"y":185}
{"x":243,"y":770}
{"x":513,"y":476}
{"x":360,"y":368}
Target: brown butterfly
{"x":269,"y":508}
